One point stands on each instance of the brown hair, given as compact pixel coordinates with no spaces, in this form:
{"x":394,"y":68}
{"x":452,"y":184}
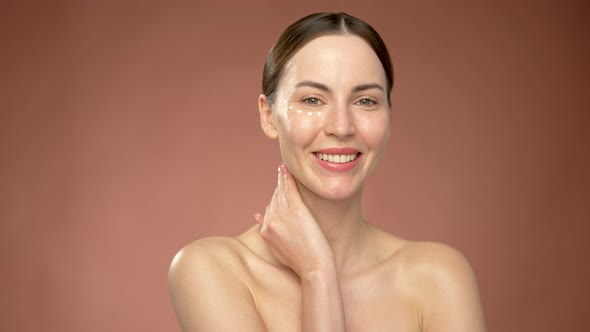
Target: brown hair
{"x":313,"y":26}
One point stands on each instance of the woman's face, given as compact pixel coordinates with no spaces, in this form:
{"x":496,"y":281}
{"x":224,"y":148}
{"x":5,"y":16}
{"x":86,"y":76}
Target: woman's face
{"x":330,"y":115}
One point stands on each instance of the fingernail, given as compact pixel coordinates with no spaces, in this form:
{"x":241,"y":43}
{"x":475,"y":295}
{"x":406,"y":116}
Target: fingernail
{"x":282,"y":168}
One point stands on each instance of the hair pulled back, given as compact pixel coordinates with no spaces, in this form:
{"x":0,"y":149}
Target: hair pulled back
{"x":313,"y":26}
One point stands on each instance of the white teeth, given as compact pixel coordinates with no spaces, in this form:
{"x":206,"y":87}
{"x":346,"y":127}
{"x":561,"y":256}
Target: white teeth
{"x":337,"y":158}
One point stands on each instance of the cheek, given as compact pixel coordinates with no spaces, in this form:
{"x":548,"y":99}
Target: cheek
{"x":299,"y":125}
{"x":375,"y":129}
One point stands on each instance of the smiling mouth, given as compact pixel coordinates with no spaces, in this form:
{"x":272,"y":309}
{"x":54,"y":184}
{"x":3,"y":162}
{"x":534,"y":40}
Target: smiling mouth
{"x":337,"y":158}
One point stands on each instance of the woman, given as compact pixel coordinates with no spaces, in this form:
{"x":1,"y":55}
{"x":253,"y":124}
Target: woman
{"x":312,"y":263}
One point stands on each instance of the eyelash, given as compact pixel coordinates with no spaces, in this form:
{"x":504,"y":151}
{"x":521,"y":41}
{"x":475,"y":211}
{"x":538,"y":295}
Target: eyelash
{"x":371,"y":101}
{"x":368,"y":101}
{"x":308,"y":101}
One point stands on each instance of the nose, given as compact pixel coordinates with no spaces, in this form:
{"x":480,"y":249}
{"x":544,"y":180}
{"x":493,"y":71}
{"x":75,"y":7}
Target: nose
{"x":340,"y":122}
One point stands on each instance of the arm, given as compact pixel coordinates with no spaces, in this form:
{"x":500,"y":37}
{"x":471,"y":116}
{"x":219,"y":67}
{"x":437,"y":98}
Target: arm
{"x":207,"y":292}
{"x":322,"y":304}
{"x":296,"y":240}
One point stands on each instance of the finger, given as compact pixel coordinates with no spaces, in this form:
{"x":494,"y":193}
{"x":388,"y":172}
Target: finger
{"x":281,"y":188}
{"x":272,"y":209}
{"x":265,"y":219}
{"x":276,"y":195}
{"x":273,"y":206}
{"x":290,"y":187}
{"x":259,"y":219}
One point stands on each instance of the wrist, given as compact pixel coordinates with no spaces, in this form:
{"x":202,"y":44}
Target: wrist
{"x":325,"y":272}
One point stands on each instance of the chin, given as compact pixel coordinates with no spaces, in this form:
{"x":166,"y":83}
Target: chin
{"x":335,"y":193}
{"x":337,"y":198}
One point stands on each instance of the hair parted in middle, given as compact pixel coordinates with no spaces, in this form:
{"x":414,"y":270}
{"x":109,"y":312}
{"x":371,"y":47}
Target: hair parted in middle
{"x":311,"y":27}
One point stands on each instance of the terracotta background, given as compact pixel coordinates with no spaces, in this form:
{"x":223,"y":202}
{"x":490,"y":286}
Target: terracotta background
{"x":130,"y":128}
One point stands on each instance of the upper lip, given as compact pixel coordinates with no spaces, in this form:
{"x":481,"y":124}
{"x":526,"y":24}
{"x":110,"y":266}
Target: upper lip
{"x":339,"y":151}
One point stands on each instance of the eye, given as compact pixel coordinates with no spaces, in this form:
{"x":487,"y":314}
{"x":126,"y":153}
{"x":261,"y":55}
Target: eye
{"x":312,"y":101}
{"x":367,"y":102}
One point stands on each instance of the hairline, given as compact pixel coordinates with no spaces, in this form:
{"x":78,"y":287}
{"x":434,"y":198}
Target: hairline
{"x":343,"y":31}
{"x":281,"y":53}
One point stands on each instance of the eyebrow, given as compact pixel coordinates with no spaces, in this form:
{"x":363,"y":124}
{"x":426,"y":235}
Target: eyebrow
{"x":324,"y":87}
{"x":313,"y":84}
{"x":369,"y":86}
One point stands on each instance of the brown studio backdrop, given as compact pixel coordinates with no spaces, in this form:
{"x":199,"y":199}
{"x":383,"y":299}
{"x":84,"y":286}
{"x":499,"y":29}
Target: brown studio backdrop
{"x":130,"y":129}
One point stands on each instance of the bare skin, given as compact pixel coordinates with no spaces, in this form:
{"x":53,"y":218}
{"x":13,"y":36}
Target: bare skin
{"x":236,"y":284}
{"x":312,"y":263}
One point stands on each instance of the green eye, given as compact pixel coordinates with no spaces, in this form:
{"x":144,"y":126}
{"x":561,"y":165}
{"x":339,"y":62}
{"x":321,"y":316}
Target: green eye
{"x":367,"y":102}
{"x":312,"y":101}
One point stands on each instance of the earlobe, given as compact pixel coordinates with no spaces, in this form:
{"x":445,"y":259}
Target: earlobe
{"x":267,"y":121}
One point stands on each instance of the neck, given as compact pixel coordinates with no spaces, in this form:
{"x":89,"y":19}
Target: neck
{"x":342,"y":224}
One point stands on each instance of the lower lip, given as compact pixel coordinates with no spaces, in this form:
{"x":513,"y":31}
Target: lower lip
{"x":338,"y":167}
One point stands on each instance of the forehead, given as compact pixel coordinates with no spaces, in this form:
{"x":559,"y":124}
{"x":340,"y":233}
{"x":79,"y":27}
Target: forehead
{"x":335,"y":60}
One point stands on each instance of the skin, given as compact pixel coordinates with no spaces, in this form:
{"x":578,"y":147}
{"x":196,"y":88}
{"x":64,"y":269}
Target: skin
{"x":312,"y":263}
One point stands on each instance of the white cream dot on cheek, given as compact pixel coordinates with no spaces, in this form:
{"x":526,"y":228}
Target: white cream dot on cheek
{"x":303,"y":114}
{"x":296,"y":111}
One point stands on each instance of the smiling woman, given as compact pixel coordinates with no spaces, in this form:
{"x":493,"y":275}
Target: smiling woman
{"x":313,"y":263}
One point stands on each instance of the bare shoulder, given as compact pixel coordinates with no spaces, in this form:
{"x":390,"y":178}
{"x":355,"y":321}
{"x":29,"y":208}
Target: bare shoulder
{"x":436,"y":278}
{"x":435,"y":260}
{"x":207,"y":250}
{"x":206,"y":279}
{"x":205,"y":257}
{"x":417,"y":260}
{"x":209,"y":261}
{"x":443,"y":282}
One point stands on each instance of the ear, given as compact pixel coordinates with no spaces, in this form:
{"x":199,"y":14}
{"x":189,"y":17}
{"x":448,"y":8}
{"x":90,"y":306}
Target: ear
{"x":267,"y":120}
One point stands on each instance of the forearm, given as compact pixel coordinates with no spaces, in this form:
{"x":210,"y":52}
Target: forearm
{"x":322,"y":302}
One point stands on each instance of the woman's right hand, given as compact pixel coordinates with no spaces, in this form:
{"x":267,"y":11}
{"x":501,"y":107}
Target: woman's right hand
{"x":291,"y":232}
